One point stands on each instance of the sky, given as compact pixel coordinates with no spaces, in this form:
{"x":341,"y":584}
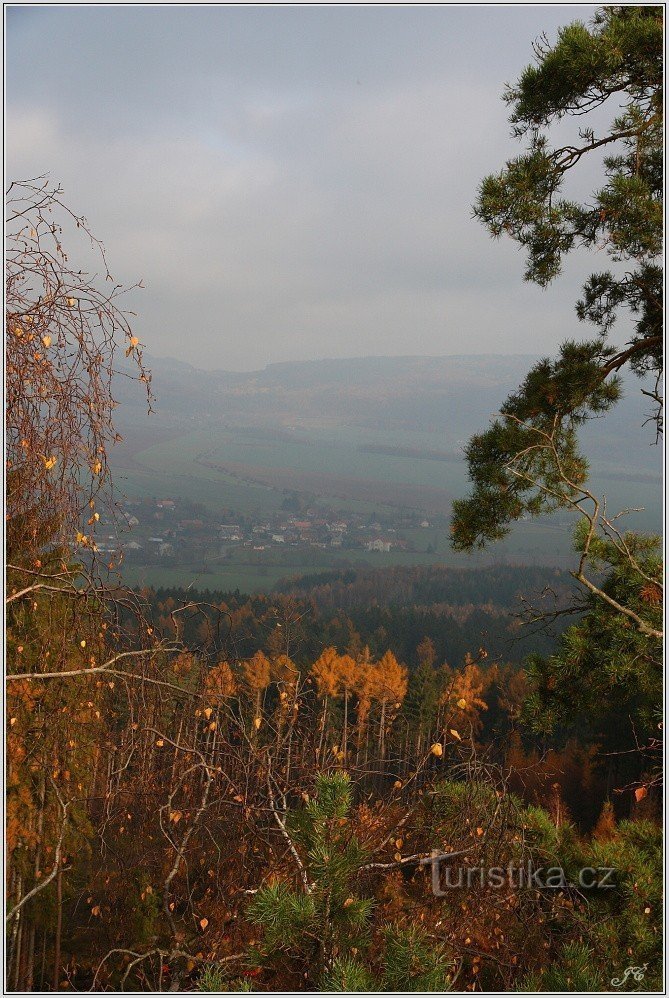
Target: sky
{"x":290,"y":183}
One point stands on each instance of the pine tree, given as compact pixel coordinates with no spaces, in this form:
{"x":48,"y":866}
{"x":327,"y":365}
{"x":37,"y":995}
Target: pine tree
{"x":528,"y":461}
{"x":605,"y":667}
{"x":331,"y":917}
{"x":327,"y":930}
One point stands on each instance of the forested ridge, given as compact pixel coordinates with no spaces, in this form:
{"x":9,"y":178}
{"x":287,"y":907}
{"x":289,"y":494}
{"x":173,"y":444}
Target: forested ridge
{"x":311,"y":789}
{"x":501,"y":586}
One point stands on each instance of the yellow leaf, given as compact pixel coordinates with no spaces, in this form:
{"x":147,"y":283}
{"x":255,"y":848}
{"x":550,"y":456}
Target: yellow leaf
{"x":479,"y":831}
{"x":462,"y":703}
{"x":96,"y":910}
{"x":133,"y":341}
{"x":71,"y":302}
{"x":97,"y":467}
{"x":49,"y":463}
{"x":175,"y":816}
{"x":204,"y":922}
{"x":437,"y":750}
{"x":398,"y":856}
{"x":212,"y":726}
{"x":348,"y":902}
{"x":207,"y":712}
{"x":160,"y":743}
{"x":455,"y":734}
{"x":46,"y":340}
{"x":257,"y":721}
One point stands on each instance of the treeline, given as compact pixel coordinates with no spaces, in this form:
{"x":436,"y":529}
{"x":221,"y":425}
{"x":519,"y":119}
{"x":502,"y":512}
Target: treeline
{"x":498,"y":586}
{"x":485,"y":610}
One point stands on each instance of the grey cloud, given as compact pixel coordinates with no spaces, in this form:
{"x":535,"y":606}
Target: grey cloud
{"x":290,"y":183}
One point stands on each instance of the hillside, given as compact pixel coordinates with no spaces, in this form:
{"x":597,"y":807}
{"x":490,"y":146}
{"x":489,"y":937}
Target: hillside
{"x":446,"y":398}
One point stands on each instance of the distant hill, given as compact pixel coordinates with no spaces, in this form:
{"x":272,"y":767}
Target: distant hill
{"x":432,"y":394}
{"x":444,"y":398}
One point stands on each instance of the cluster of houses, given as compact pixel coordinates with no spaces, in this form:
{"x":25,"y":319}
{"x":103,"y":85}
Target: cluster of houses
{"x":312,"y":529}
{"x":165,"y":528}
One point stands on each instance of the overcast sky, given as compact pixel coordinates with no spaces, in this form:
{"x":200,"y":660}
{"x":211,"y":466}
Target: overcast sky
{"x":290,"y":183}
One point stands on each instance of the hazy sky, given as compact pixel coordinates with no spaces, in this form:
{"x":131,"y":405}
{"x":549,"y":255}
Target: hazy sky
{"x":290,"y":182}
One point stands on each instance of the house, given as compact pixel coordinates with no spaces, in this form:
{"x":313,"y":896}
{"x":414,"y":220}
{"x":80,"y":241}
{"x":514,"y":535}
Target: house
{"x":301,"y":524}
{"x":377,"y":545}
{"x":229,"y":531}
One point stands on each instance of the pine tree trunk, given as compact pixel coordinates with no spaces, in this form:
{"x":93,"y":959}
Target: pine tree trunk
{"x":18,"y":951}
{"x":59,"y":929}
{"x":382,"y":731}
{"x":345,"y":738}
{"x":322,"y":734}
{"x":42,"y":972}
{"x":15,"y":890}
{"x":28,"y":972}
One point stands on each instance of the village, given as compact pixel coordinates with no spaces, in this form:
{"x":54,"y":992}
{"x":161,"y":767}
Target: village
{"x":152,"y":530}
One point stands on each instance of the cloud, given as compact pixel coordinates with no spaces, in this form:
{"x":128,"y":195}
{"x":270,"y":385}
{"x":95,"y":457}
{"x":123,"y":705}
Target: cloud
{"x":285,"y":194}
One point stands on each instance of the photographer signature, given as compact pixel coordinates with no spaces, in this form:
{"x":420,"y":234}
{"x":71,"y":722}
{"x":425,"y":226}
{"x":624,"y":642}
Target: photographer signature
{"x":637,"y":973}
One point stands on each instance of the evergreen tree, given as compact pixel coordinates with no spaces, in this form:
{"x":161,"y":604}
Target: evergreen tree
{"x":613,"y":666}
{"x":528,"y":461}
{"x":325,"y":932}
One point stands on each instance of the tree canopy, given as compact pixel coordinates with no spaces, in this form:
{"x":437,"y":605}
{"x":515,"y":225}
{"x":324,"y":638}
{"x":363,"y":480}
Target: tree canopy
{"x":529,"y":461}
